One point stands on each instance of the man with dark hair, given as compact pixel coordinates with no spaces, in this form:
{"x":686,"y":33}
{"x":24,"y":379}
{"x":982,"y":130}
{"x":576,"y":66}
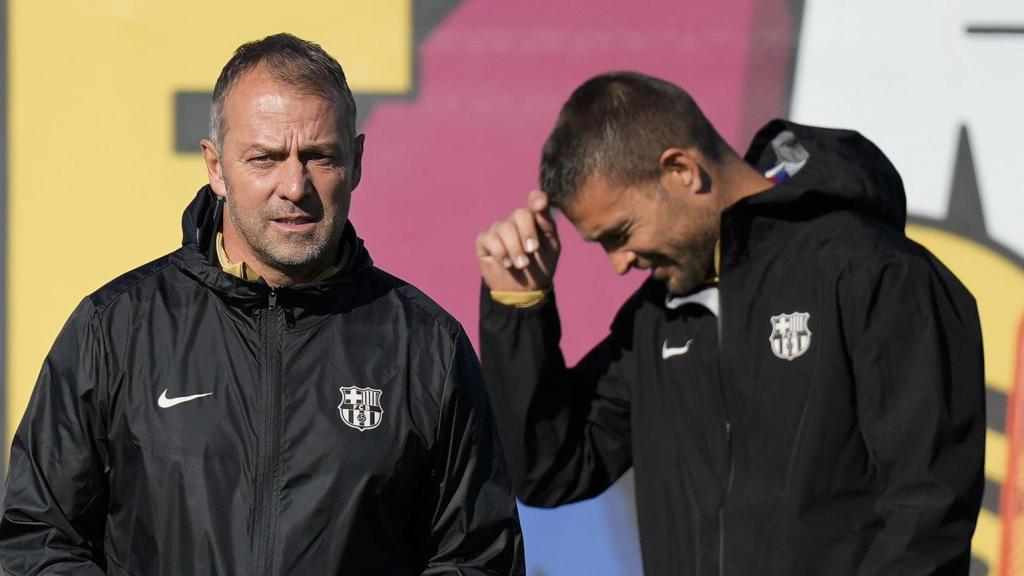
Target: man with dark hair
{"x":263,"y":400}
{"x":799,"y":387}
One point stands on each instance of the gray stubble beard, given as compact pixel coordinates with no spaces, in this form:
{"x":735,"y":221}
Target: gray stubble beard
{"x":261,"y":246}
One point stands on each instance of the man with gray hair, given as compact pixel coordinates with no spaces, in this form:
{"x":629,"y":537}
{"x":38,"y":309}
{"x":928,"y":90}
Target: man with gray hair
{"x":263,"y":400}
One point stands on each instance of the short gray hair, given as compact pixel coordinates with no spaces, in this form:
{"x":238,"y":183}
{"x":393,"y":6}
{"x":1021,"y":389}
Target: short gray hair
{"x":292,"y":61}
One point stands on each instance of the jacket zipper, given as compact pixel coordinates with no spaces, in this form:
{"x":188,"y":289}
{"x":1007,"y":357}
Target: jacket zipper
{"x":728,"y":488}
{"x":728,"y":434}
{"x":266,"y":473}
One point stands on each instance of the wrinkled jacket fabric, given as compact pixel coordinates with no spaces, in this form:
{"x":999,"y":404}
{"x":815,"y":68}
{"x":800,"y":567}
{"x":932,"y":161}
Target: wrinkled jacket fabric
{"x":112,"y":473}
{"x":829,"y":419}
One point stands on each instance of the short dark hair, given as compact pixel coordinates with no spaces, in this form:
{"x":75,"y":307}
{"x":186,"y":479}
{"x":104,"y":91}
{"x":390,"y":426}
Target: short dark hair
{"x":617,"y":125}
{"x":290,"y":60}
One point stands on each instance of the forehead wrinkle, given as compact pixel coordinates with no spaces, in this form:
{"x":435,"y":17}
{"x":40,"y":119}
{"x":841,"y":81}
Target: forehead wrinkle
{"x":262,"y":103}
{"x":282,"y":137}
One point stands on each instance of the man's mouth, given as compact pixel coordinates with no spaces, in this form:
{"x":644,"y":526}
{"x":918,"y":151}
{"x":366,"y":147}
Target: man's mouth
{"x":657,"y":264}
{"x":297,"y":224}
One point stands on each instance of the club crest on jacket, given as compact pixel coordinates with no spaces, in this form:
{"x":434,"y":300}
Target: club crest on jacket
{"x":360,"y":407}
{"x":791,"y":335}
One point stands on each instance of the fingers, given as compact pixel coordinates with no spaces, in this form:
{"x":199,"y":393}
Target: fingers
{"x":540,"y":206}
{"x":511,"y":241}
{"x":521,"y":251}
{"x":503,"y":244}
{"x":527,"y":233}
{"x":508,"y":231}
{"x":490,"y":247}
{"x":537,"y":201}
{"x":526,"y":228}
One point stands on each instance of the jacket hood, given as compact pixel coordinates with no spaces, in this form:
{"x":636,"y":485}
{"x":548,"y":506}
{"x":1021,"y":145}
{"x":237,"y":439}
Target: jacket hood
{"x":830,"y":168}
{"x":200,"y":224}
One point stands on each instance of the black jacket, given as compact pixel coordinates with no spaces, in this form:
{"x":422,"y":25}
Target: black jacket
{"x":345,"y":431}
{"x":830,"y":420}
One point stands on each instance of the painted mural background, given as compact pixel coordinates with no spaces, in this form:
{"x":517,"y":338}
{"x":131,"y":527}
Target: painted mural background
{"x":106,"y":101}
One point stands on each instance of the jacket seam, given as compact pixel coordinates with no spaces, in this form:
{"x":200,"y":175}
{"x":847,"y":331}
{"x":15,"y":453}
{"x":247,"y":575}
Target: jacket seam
{"x":444,"y":385}
{"x":435,"y":317}
{"x":101,"y":309}
{"x":110,"y":558}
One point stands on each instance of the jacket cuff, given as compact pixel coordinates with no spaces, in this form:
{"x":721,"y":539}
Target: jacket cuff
{"x":519,"y":299}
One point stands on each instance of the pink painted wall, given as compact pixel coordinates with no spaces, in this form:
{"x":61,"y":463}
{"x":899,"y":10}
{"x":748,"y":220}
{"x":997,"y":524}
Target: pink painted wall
{"x":465,"y":152}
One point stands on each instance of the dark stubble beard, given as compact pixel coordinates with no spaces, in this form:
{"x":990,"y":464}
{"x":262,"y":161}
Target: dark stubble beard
{"x":696,"y":259}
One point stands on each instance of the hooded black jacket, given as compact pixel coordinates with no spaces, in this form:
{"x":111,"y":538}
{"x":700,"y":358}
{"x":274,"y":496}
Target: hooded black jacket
{"x":263,"y":475}
{"x":855,"y":447}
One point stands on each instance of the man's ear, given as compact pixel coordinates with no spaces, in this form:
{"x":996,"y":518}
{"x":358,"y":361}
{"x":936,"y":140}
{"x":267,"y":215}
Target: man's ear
{"x":214,"y":167}
{"x":681,"y":170}
{"x":357,"y":160}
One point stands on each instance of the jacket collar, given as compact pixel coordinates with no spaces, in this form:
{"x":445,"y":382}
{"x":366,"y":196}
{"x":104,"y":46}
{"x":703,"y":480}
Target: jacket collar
{"x":197,"y":258}
{"x":838,"y":169}
{"x":835,"y":170}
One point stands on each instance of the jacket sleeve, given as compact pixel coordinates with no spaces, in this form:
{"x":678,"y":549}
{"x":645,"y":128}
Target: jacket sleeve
{"x":919,"y":371}
{"x":55,"y":497}
{"x":566,"y":431}
{"x":475,"y":526}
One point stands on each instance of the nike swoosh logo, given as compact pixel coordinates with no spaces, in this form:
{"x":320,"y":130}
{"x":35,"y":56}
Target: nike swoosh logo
{"x":667,"y":352}
{"x":164,"y":402}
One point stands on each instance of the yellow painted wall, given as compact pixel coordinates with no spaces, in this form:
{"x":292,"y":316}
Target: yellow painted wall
{"x":94,"y":182}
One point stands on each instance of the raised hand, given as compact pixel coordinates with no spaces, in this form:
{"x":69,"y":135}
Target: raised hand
{"x":520,"y":252}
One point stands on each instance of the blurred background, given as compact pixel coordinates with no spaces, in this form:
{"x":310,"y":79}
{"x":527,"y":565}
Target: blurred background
{"x":104,"y":103}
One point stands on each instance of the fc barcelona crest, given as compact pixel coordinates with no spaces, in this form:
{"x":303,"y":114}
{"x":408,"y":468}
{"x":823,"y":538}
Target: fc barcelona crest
{"x":791,"y":336}
{"x":360,"y":407}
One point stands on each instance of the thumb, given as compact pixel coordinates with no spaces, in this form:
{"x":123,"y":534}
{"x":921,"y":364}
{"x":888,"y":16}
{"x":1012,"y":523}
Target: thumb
{"x":540,"y":206}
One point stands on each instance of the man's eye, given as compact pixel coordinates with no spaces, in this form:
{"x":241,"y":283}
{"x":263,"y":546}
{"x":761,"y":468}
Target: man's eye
{"x":614,"y":241}
{"x":262,"y":159}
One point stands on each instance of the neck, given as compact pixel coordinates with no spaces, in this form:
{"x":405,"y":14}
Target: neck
{"x":238,"y":250}
{"x":278,"y":278}
{"x":739,"y":180}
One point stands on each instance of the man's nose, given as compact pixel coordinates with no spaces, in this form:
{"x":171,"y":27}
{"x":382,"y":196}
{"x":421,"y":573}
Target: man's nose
{"x":294,"y":183}
{"x":622,"y":260}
